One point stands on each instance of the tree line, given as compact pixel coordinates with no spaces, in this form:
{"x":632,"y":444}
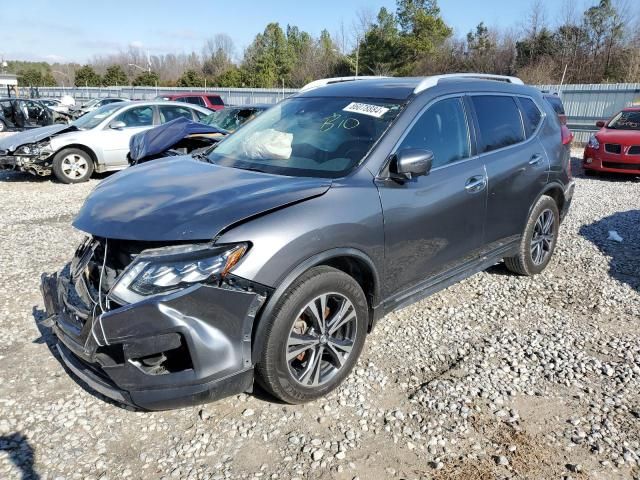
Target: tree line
{"x":592,"y":46}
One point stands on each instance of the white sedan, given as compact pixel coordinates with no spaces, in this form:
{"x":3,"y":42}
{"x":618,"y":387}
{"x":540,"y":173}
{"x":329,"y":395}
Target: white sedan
{"x":96,"y":142}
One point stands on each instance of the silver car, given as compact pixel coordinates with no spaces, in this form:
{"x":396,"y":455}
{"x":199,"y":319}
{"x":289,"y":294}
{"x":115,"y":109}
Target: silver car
{"x":96,"y":142}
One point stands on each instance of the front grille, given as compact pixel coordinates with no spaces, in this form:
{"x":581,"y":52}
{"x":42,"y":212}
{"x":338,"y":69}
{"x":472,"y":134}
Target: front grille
{"x":634,"y":150}
{"x":622,"y":166}
{"x":613,"y":148}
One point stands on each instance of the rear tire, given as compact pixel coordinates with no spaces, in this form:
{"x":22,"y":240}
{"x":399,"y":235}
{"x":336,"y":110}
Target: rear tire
{"x":538,"y":239}
{"x":314,"y":336}
{"x":72,"y":165}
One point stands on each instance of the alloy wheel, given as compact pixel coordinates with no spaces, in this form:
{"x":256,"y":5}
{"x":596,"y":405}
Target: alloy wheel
{"x":74,"y":166}
{"x":542,"y":238}
{"x":321,"y":339}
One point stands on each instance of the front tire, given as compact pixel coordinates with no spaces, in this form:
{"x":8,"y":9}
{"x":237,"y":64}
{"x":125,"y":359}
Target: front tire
{"x":538,"y":239}
{"x":72,"y":165}
{"x":314,"y":336}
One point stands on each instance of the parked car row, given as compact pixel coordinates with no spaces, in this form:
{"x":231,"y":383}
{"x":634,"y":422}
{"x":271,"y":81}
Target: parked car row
{"x":271,"y":257}
{"x":97,"y":141}
{"x":100,"y":140}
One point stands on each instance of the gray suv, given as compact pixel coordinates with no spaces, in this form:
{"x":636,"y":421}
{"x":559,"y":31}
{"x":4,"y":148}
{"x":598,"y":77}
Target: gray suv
{"x":274,"y":255}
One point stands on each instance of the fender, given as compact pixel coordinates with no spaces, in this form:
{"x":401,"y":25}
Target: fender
{"x":547,"y":188}
{"x":287,"y":281}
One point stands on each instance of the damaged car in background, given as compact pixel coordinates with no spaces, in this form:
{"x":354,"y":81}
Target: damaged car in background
{"x":182,"y":136}
{"x":274,"y":255}
{"x":17,"y":114}
{"x":95,"y":142}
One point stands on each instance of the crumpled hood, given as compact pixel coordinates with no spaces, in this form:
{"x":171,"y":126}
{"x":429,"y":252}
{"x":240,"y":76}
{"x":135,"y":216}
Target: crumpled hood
{"x":10,"y":143}
{"x":180,"y":198}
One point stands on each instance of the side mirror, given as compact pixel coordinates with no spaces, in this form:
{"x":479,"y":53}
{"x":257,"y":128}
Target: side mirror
{"x":600,"y":123}
{"x":413,"y":162}
{"x":117,"y":125}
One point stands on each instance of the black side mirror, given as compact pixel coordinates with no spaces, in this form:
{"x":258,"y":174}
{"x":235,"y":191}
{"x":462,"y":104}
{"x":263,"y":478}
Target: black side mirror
{"x":600,"y":123}
{"x":413,"y":162}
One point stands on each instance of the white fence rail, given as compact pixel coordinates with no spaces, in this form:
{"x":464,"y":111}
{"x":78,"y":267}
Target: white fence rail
{"x":230,"y":96}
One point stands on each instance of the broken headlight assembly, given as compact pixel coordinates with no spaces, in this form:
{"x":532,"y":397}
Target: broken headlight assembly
{"x":40,"y":150}
{"x":29,"y":149}
{"x":165,"y":270}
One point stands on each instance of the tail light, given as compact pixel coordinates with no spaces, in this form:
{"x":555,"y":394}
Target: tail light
{"x":567,"y":135}
{"x":563,"y":118}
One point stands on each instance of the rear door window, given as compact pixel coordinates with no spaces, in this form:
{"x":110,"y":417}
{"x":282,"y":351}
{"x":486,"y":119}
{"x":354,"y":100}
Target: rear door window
{"x":442,"y":129}
{"x":137,"y":117}
{"x":499,"y":121}
{"x":170,"y":112}
{"x":531,"y":115}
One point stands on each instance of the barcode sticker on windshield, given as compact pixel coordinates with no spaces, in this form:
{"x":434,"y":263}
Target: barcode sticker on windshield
{"x":366,"y":109}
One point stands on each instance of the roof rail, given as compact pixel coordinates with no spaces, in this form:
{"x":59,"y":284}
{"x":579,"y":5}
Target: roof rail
{"x":432,"y":81}
{"x":327,"y":81}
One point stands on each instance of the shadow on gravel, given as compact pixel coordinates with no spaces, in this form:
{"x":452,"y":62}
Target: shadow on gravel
{"x":20,"y":453}
{"x":624,"y":265}
{"x":47,"y":337}
{"x":13,"y":176}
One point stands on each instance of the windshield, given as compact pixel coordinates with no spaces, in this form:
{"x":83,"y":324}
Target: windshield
{"x":309,"y":137}
{"x":91,"y":103}
{"x":93,"y":119}
{"x":629,"y":120}
{"x":230,"y":118}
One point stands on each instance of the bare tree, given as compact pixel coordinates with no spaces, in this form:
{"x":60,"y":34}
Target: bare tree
{"x":536,"y":20}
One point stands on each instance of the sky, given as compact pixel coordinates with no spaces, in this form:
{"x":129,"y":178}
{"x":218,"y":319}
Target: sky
{"x":68,"y":30}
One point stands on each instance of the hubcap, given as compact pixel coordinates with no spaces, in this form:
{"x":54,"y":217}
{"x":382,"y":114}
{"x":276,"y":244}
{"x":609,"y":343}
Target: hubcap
{"x":542,"y":238}
{"x":74,"y":166}
{"x":321,"y":339}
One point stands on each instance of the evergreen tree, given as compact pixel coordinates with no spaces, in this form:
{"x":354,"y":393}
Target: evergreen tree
{"x":87,"y":76}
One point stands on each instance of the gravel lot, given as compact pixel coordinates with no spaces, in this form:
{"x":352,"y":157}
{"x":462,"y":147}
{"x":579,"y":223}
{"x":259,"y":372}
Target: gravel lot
{"x":496,"y":377}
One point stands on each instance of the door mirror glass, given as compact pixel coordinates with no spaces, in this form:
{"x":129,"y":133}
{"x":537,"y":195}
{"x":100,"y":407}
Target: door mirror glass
{"x":117,"y":125}
{"x":413,"y":162}
{"x":600,"y":123}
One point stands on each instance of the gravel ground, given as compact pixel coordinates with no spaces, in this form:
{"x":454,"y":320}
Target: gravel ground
{"x":496,"y":377}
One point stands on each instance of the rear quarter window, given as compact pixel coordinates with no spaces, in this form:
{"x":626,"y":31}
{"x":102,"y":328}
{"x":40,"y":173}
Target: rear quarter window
{"x":556,"y":103}
{"x":499,"y":121}
{"x":215,"y":100}
{"x":531,"y":115}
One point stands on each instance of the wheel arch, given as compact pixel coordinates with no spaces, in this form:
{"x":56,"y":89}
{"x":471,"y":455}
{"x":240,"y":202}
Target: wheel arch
{"x":351,"y":261}
{"x":80,"y":146}
{"x":554,"y":190}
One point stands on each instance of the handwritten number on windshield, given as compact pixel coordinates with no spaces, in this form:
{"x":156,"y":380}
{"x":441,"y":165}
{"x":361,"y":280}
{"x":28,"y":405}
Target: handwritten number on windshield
{"x":337,"y":121}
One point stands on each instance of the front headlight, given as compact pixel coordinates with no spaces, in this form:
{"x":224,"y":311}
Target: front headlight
{"x":28,"y":149}
{"x":593,"y":142}
{"x":163,"y":270}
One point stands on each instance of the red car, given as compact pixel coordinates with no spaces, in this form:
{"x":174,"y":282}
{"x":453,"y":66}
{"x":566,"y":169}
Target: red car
{"x":206,"y":100}
{"x":616,"y":146}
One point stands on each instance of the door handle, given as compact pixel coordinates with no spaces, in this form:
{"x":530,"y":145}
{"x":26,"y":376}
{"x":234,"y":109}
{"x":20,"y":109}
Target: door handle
{"x":476,"y":184}
{"x":536,"y":159}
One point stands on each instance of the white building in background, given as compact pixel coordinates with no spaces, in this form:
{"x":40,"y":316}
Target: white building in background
{"x":8,"y":80}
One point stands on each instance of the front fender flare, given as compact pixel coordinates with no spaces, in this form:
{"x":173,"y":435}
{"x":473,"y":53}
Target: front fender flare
{"x":284,"y":284}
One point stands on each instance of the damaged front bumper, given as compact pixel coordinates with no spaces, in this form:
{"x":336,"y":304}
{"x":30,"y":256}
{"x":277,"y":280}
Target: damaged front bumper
{"x":39,"y":164}
{"x":189,"y":347}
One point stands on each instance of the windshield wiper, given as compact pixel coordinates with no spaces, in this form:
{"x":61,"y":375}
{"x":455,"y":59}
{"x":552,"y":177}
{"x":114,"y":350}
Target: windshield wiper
{"x":202,"y":156}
